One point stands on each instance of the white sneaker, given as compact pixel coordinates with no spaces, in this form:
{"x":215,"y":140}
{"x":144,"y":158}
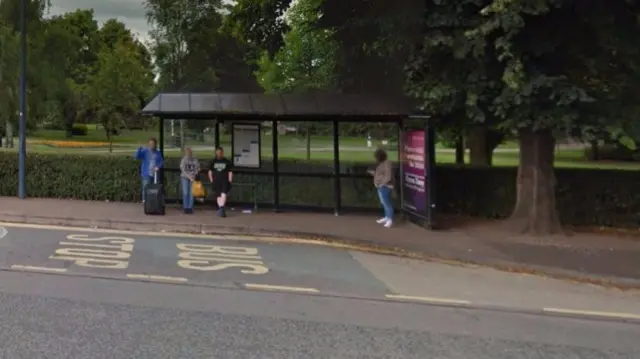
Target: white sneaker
{"x":388,"y":223}
{"x":382,"y":220}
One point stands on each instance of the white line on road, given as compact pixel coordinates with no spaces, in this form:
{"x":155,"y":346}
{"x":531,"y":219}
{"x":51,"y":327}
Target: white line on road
{"x":3,"y":232}
{"x":428,"y":299}
{"x":157,"y":278}
{"x":37,"y":269}
{"x":590,"y":313}
{"x":279,"y":288}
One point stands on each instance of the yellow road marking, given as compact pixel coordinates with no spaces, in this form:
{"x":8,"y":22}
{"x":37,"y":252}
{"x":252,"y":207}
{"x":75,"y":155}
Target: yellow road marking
{"x":278,"y":288}
{"x":37,"y":269}
{"x":593,"y":313}
{"x":428,"y":299}
{"x":220,"y":237}
{"x":224,"y":237}
{"x":158,"y":278}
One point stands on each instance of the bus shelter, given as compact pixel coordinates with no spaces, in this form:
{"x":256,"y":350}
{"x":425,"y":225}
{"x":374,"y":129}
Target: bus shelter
{"x":249,"y":111}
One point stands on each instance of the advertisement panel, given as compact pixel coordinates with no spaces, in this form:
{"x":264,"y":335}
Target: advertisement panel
{"x":414,"y":168}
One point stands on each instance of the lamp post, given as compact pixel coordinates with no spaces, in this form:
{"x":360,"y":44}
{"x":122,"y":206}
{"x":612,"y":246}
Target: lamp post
{"x":22,"y":146}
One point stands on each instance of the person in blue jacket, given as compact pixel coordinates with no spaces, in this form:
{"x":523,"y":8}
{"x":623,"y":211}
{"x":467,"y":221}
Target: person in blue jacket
{"x":152,"y":162}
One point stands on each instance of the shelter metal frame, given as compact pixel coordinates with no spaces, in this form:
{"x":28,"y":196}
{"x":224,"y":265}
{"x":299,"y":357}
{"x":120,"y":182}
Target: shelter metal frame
{"x":276,"y":108}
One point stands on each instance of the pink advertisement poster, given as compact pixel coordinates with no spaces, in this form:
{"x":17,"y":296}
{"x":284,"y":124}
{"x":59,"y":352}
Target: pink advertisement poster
{"x":414,"y":161}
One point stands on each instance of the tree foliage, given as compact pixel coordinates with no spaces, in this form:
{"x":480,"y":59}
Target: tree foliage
{"x":63,"y":60}
{"x":507,"y":61}
{"x":307,"y":61}
{"x":113,"y":92}
{"x":193,"y":51}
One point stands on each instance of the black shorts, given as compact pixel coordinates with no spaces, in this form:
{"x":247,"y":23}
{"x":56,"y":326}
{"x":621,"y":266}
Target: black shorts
{"x":221,"y":188}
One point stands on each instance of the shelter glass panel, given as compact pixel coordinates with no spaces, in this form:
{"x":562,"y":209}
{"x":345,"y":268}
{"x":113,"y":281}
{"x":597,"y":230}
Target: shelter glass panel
{"x":359,"y":140}
{"x":305,"y":147}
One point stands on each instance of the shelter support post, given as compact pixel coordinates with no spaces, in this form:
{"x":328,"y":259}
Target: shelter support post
{"x":216,"y":139}
{"x":430,"y":150}
{"x":276,"y":169}
{"x":400,"y":161}
{"x":337,"y":197}
{"x":161,"y":147}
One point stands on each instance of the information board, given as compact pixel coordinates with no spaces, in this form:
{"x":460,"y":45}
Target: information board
{"x":245,"y":143}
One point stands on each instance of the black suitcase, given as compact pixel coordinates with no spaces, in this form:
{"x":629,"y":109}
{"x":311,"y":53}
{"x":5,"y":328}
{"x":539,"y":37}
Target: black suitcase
{"x":154,"y":198}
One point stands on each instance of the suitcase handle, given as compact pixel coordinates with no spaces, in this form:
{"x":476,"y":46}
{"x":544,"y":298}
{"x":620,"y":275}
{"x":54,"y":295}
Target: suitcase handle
{"x":155,"y":177}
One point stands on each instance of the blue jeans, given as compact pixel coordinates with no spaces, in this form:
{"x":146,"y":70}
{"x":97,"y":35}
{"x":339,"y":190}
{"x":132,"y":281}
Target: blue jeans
{"x":145,"y":180}
{"x":187,"y":196}
{"x":384,"y":193}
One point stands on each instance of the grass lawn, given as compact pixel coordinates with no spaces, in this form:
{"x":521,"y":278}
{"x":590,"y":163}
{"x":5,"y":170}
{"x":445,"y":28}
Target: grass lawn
{"x":291,"y":146}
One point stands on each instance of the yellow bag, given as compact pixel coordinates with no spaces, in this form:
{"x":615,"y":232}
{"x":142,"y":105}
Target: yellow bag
{"x":197,"y":189}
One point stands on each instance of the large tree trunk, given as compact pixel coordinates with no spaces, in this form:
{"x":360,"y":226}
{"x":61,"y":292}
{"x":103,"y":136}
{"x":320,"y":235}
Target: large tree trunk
{"x":182,"y":135}
{"x":109,"y":133}
{"x":9,"y":134}
{"x":460,"y":150}
{"x":482,"y":141}
{"x":595,"y":151}
{"x":535,"y":210}
{"x":308,"y":137}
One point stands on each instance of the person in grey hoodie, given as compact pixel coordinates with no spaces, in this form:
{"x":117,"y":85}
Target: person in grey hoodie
{"x":189,"y":169}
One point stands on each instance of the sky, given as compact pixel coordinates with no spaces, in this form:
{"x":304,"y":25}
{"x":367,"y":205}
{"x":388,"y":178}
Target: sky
{"x":130,"y":12}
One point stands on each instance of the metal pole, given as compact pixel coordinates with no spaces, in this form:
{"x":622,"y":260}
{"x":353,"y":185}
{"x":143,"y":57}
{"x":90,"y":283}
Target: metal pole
{"x":401,"y":160}
{"x":430,"y":159}
{"x":22,"y":161}
{"x":276,"y":166}
{"x":216,"y":138}
{"x":161,"y":148}
{"x":337,"y":195}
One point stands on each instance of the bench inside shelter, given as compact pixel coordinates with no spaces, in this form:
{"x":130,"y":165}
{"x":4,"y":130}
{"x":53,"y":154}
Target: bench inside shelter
{"x":210,"y":200}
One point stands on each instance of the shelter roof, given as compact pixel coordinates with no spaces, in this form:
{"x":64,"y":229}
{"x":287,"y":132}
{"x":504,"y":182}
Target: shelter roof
{"x":308,"y":106}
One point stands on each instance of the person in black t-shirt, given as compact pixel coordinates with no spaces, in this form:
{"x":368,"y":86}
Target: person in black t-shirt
{"x":221,"y":177}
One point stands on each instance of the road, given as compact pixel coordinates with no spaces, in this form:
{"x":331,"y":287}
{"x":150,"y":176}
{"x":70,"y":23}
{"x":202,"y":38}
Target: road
{"x":164,"y":296}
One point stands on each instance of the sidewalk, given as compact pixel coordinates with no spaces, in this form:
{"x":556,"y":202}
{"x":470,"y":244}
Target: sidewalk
{"x":594,"y":258}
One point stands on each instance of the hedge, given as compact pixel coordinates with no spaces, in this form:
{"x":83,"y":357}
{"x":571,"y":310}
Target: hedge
{"x":584,"y":197}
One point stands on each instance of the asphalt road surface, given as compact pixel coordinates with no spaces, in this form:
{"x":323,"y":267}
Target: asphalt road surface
{"x":189,"y":259}
{"x":79,"y":311}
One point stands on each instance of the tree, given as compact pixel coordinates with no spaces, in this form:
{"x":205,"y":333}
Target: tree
{"x":70,"y":50}
{"x":359,"y":26}
{"x":194,"y":50}
{"x":504,"y":64}
{"x":114,"y":90}
{"x":9,"y":63}
{"x":259,"y":24}
{"x":10,"y":11}
{"x":306,"y":62}
{"x":550,"y":78}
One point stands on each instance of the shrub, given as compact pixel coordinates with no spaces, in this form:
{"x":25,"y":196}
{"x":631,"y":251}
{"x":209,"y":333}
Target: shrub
{"x":584,"y":197}
{"x":79,"y":129}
